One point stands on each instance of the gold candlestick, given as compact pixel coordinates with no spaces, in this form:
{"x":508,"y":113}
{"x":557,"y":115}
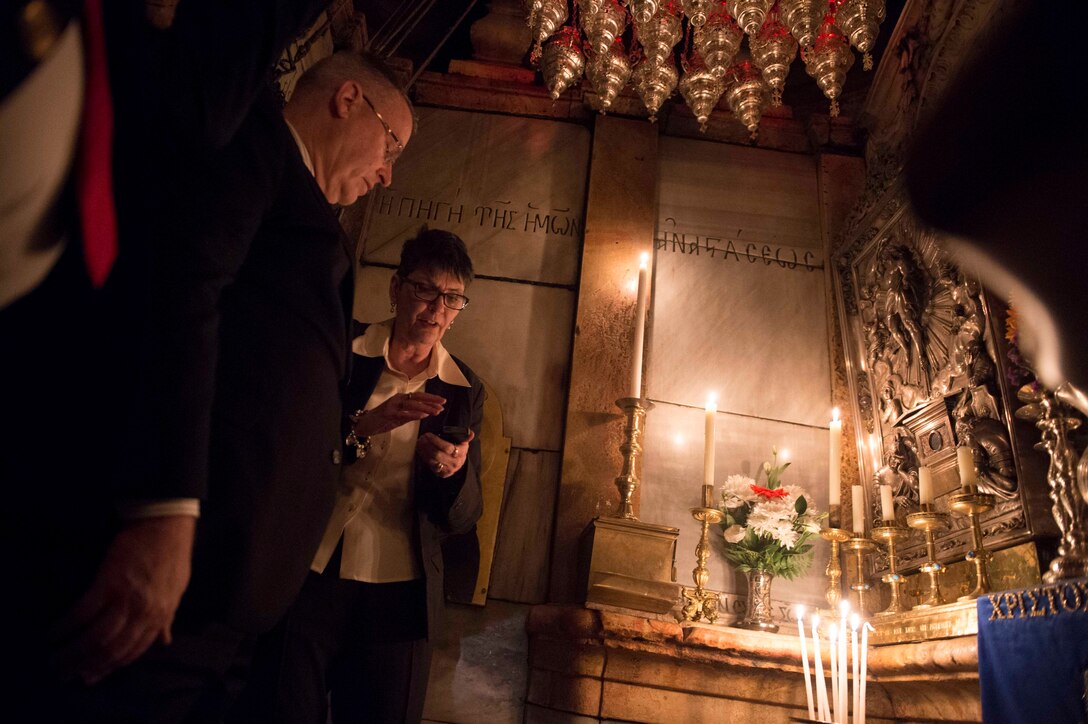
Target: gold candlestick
{"x":973,"y":504}
{"x":834,"y":566}
{"x":861,"y":547}
{"x":891,"y":533}
{"x":928,"y":520}
{"x":635,"y":410}
{"x":700,"y":602}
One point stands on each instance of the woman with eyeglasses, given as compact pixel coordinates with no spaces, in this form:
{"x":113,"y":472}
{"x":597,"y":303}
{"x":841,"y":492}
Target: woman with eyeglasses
{"x":359,"y":634}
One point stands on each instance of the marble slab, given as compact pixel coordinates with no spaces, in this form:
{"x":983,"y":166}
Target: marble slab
{"x":741,"y":314}
{"x":512,"y":188}
{"x":673,"y":473}
{"x":515,"y":336}
{"x":738,"y":193}
{"x":520,"y":569}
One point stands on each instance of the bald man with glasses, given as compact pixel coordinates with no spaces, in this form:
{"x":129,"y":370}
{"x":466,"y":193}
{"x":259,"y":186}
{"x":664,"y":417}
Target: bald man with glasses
{"x":253,"y":313}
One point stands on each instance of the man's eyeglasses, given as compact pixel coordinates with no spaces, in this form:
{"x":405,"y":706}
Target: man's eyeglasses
{"x":427,"y":293}
{"x":391,"y":151}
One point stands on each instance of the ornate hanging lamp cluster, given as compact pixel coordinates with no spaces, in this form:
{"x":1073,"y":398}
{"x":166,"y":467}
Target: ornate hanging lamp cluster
{"x":648,"y":43}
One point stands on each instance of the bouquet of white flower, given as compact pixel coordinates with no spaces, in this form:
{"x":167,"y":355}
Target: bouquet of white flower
{"x":767,"y":528}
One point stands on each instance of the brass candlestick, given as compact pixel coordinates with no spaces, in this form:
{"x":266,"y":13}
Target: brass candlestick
{"x":973,"y":504}
{"x":834,"y":566}
{"x":1067,"y":478}
{"x":891,"y":533}
{"x":861,"y":547}
{"x":635,"y":410}
{"x":928,"y":520}
{"x":700,"y":602}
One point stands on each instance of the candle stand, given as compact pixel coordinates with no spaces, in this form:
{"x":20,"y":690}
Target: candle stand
{"x":928,"y":520}
{"x":700,"y":602}
{"x":861,"y":547}
{"x":835,"y":536}
{"x":634,"y":409}
{"x":891,"y":534}
{"x":973,"y":504}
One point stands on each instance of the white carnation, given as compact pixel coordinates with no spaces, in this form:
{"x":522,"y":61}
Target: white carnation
{"x":775,"y":518}
{"x":737,"y":491}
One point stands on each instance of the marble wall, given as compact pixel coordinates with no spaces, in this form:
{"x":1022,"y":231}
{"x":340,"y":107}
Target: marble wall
{"x":739,"y":310}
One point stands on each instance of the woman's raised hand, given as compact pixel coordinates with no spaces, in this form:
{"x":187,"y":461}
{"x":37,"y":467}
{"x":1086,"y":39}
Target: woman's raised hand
{"x":399,"y":410}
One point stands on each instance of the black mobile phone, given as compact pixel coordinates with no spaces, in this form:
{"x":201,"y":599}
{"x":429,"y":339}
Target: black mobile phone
{"x":456,"y":435}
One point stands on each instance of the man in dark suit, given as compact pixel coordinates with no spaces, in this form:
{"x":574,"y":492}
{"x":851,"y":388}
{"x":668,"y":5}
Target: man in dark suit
{"x":236,"y":390}
{"x":254,"y":329}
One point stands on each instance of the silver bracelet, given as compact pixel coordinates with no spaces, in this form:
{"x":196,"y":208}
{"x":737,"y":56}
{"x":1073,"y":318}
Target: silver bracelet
{"x":361,"y":444}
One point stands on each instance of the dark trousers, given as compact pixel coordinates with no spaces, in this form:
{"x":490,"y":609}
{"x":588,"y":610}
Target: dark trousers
{"x":360,"y":646}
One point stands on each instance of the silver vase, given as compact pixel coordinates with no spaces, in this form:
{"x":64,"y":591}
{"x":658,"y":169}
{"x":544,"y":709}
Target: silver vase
{"x":759,"y":614}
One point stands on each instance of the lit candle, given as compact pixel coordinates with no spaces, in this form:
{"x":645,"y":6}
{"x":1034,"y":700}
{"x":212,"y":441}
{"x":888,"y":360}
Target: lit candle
{"x":833,"y":640}
{"x":821,"y":688}
{"x":835,"y":467}
{"x":925,"y":485}
{"x":844,"y":606}
{"x":858,"y":499}
{"x":965,"y":460}
{"x":804,"y":660}
{"x":887,"y":503}
{"x":856,"y":687}
{"x":640,"y":325}
{"x":708,"y":441}
{"x":860,"y":719}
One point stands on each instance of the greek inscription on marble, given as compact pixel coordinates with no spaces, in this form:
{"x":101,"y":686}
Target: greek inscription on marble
{"x":503,"y":215}
{"x":733,"y":249}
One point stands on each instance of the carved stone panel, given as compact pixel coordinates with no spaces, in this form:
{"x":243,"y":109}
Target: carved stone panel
{"x":919,"y":335}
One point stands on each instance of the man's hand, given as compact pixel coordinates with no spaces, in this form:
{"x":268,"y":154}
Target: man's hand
{"x":132,"y":600}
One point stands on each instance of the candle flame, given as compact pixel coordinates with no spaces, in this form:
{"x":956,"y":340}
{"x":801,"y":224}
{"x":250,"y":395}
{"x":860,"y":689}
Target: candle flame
{"x":844,"y":608}
{"x":835,"y":415}
{"x":784,"y":453}
{"x":800,"y":611}
{"x":712,"y":402}
{"x":855,"y":621}
{"x":644,"y":260}
{"x":815,"y":620}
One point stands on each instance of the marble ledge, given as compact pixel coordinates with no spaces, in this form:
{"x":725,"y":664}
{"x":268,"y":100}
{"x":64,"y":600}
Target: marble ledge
{"x":941,"y":660}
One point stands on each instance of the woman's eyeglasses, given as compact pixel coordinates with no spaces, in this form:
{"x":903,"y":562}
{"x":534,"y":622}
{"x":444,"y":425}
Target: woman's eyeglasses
{"x":427,"y":293}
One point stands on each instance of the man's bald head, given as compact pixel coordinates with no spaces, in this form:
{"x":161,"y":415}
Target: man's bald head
{"x":354,"y":119}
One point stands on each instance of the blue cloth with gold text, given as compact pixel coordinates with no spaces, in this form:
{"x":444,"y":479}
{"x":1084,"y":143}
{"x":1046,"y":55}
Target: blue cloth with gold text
{"x":1033,"y":654}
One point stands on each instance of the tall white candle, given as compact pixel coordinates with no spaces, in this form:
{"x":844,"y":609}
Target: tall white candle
{"x":965,"y":460}
{"x":860,"y":719}
{"x":833,"y":640}
{"x":925,"y":485}
{"x":835,"y":461}
{"x":821,"y":682}
{"x":843,"y":693}
{"x":804,"y":660}
{"x":854,"y":664}
{"x":640,"y":325}
{"x":858,"y":500}
{"x":887,"y":503}
{"x":708,"y":444}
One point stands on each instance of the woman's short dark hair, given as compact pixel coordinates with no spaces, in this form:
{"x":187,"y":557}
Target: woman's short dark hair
{"x":436,"y":250}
